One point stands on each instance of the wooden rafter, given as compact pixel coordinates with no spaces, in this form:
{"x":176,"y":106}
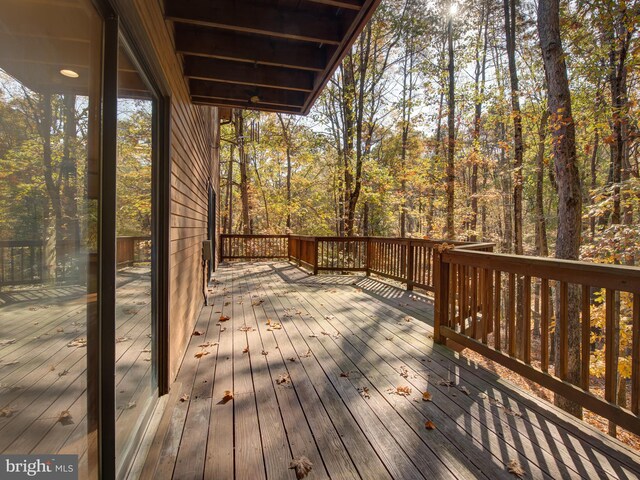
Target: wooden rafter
{"x":248,"y":74}
{"x":254,"y":95}
{"x":254,"y":17}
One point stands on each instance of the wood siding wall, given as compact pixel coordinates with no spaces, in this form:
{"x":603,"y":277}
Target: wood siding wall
{"x":194,"y":163}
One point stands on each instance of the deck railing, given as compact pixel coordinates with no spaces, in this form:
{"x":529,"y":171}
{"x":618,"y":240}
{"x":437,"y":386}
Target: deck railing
{"x":406,"y":260}
{"x":505,"y":308}
{"x":24,"y":262}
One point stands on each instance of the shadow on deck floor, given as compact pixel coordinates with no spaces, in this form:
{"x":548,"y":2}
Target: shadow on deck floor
{"x":334,"y":368}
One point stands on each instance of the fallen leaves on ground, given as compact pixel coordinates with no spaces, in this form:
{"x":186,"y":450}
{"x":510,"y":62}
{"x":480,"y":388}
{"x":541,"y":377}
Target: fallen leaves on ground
{"x":364,"y":391}
{"x":122,"y":339}
{"x":264,"y":352}
{"x":345,"y":374}
{"x":130,"y":405}
{"x":515,"y":468}
{"x":60,"y":330}
{"x":224,"y":318}
{"x":65,"y":418}
{"x":403,"y":391}
{"x":429,"y":425}
{"x":208,"y":344}
{"x":307,"y":355}
{"x":274,"y":326}
{"x":292,"y":359}
{"x":302,"y":466}
{"x":185,"y":397}
{"x":78,"y":342}
{"x":197,"y":333}
{"x":7,"y":411}
{"x":426,"y":396}
{"x":245,"y":349}
{"x":284,"y":378}
{"x":201,"y":354}
{"x":464,"y":390}
{"x":313,"y":335}
{"x":446,"y":383}
{"x":63,"y":373}
{"x":245,"y":328}
{"x":257,"y":302}
{"x":404,"y":371}
{"x":228,"y":395}
{"x":146,"y":350}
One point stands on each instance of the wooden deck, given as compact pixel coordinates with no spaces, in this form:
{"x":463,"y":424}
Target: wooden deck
{"x":325,"y":386}
{"x":43,"y":367}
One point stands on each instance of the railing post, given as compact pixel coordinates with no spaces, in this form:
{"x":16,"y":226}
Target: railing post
{"x":441,"y":287}
{"x":315,"y":255}
{"x":409,"y":266}
{"x":289,"y":246}
{"x":222,"y":239}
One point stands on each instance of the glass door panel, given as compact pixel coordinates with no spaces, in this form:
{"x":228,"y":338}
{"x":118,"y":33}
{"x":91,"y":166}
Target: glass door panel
{"x":136,"y":386}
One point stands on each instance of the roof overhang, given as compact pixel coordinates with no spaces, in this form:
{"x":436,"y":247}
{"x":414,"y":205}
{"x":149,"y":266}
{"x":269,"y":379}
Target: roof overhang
{"x":270,"y":55}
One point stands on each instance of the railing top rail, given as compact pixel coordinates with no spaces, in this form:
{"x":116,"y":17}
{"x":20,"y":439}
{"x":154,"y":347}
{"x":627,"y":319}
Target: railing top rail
{"x":242,"y":235}
{"x":21,"y":243}
{"x":616,"y":277}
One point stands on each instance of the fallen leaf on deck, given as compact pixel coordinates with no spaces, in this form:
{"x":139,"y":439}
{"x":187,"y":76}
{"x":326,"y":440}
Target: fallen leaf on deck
{"x":404,"y":371}
{"x":364,"y":391}
{"x":122,"y":339}
{"x":63,"y":373}
{"x":197,"y":333}
{"x":228,"y":395}
{"x":313,"y":335}
{"x":446,"y":383}
{"x":345,"y":374}
{"x":51,"y":368}
{"x":403,"y":391}
{"x":60,"y":330}
{"x":515,"y":468}
{"x":201,"y":354}
{"x":429,"y":425}
{"x":208,"y":344}
{"x":264,"y":352}
{"x":274,"y":326}
{"x":65,"y":418}
{"x":464,"y":390}
{"x":292,"y":359}
{"x":389,"y":338}
{"x":257,"y":302}
{"x":302,"y":466}
{"x":245,"y":350}
{"x":307,"y":355}
{"x":407,"y":319}
{"x":146,"y":350}
{"x":226,"y":304}
{"x":284,"y":378}
{"x":78,"y":342}
{"x":222,"y":329}
{"x":130,"y":405}
{"x":426,"y":396}
{"x":245,"y":328}
{"x":224,"y":318}
{"x":184,"y":398}
{"x":7,"y":412}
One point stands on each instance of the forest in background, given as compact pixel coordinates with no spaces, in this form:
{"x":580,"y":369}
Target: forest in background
{"x":436,"y":125}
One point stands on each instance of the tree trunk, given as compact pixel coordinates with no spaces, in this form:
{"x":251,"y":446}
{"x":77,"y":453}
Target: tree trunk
{"x":542,"y":246}
{"x":450,"y":229}
{"x":244,"y":178}
{"x":567,"y":175}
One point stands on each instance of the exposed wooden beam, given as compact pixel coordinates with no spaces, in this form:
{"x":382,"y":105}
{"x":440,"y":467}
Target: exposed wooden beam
{"x":253,"y":17}
{"x":217,"y":102}
{"x":247,"y":74}
{"x":348,"y":4}
{"x":214,"y":43}
{"x":244,"y":93}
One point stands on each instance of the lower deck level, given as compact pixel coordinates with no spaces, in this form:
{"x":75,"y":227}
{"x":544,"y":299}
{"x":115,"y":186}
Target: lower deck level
{"x":342,"y":370}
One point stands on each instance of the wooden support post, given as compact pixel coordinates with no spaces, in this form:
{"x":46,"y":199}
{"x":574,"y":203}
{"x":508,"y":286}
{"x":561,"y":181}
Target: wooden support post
{"x":315,"y":255}
{"x":368,"y":257}
{"x":289,"y":247}
{"x":409,"y":268}
{"x":441,"y":285}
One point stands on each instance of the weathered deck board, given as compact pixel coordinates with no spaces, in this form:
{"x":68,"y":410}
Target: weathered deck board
{"x":336,"y":324}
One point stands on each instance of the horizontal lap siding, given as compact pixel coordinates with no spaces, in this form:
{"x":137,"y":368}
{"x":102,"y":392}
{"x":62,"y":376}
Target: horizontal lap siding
{"x":194,"y":161}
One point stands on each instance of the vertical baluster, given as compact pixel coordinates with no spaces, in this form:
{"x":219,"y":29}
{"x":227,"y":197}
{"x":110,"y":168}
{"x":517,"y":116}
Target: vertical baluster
{"x":496,"y":311}
{"x":611,"y":363}
{"x":459,"y":296}
{"x":564,"y":330}
{"x":474,"y":301}
{"x":635,"y":357}
{"x":586,"y":337}
{"x":544,"y":324}
{"x":526,"y":293}
{"x":487,"y":310}
{"x":453,"y":282}
{"x":512,"y":314}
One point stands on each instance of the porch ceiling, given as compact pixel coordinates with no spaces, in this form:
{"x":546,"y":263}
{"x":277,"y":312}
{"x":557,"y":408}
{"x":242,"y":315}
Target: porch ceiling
{"x":271,"y":55}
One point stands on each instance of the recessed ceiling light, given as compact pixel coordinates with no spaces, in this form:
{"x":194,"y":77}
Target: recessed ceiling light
{"x":69,"y":73}
{"x":255,"y":99}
